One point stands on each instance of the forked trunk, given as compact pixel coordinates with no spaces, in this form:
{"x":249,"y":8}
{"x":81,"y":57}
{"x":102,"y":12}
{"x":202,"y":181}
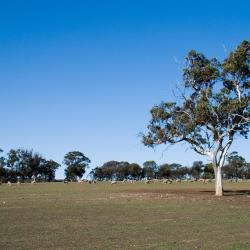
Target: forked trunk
{"x":218,"y":164}
{"x":218,"y":182}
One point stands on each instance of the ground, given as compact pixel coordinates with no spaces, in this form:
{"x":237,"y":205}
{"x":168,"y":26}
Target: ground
{"x":124,"y":216}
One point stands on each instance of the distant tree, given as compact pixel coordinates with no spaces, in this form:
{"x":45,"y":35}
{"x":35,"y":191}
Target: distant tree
{"x":3,"y":174}
{"x":120,"y":170}
{"x":134,"y":171}
{"x":150,"y":169}
{"x":48,"y":170}
{"x":213,"y":108}
{"x":24,"y":164}
{"x":76,"y":164}
{"x":3,"y":170}
{"x":115,"y":170}
{"x":197,"y":169}
{"x":236,"y":167}
{"x":179,"y":172}
{"x":34,"y":165}
{"x":13,"y":164}
{"x":109,"y":170}
{"x":208,"y":171}
{"x":97,"y":173}
{"x":165,"y":171}
{"x":248,"y":171}
{"x":2,"y":159}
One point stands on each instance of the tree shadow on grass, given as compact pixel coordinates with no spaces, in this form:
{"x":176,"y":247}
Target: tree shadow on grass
{"x":230,"y":192}
{"x":236,"y":192}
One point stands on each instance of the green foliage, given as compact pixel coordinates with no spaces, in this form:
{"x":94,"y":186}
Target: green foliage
{"x":149,"y":170}
{"x":208,"y":171}
{"x":164,"y":171}
{"x":2,"y":160}
{"x":237,"y":167}
{"x":114,"y":170}
{"x":76,"y":163}
{"x":25,"y":165}
{"x":49,"y":169}
{"x":134,"y":171}
{"x":236,"y":68}
{"x":214,"y":109}
{"x":196,"y":169}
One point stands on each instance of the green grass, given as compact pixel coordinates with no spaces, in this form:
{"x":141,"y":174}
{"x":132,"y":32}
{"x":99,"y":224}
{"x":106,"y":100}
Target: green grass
{"x":124,"y":216}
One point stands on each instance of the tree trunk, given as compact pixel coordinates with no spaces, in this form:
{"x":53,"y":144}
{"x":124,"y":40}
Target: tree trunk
{"x":218,"y":164}
{"x":218,"y":182}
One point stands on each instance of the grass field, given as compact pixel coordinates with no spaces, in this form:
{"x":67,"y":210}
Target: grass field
{"x":124,"y":216}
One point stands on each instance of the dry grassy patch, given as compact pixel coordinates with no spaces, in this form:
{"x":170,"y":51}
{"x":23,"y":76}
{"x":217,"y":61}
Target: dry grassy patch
{"x":124,"y":216}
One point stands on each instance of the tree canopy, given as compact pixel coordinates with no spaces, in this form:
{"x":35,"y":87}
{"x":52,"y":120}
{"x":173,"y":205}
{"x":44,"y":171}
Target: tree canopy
{"x":76,"y":163}
{"x":236,"y":167}
{"x":26,"y":165}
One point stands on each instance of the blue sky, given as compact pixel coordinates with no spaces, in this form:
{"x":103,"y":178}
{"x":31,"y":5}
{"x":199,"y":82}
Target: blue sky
{"x":83,"y":75}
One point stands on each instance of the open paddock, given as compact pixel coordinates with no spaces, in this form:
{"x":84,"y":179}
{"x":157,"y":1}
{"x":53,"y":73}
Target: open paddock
{"x":124,"y":216}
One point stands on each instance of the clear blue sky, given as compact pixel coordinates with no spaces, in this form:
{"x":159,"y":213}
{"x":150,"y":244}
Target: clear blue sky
{"x":82,"y":75}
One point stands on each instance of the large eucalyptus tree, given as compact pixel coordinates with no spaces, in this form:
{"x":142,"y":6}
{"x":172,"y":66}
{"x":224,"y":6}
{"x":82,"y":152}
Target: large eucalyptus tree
{"x":213,"y":108}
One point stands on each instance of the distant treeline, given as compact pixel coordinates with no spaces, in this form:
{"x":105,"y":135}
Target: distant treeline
{"x":113,"y":170}
{"x":22,"y":165}
{"x":26,"y":166}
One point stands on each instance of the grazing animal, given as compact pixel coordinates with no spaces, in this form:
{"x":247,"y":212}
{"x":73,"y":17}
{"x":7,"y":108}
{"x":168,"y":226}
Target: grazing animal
{"x":113,"y":182}
{"x":208,"y":180}
{"x":168,"y":181}
{"x":9,"y":183}
{"x":66,"y":182}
